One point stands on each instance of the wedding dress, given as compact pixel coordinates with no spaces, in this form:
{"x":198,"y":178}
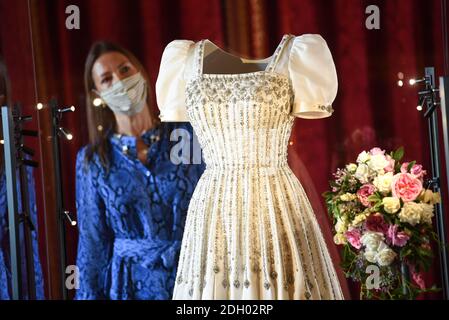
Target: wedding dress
{"x":251,"y":232}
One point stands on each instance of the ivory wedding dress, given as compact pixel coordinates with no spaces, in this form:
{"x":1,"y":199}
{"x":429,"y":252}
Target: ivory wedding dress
{"x":250,"y":232}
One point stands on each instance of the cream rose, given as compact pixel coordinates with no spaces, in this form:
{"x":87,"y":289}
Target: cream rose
{"x":391,"y":204}
{"x":427,"y":213}
{"x":370,"y":256}
{"x":411,"y":213}
{"x":385,"y":256}
{"x":372,"y":240}
{"x":383,"y":182}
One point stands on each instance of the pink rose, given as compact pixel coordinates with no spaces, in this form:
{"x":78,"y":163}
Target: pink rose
{"x":406,"y":186}
{"x":404,"y":167}
{"x":353,"y":237}
{"x":390,"y":166}
{"x":375,"y":151}
{"x":376,"y":223}
{"x":364,"y":192}
{"x":396,"y":238}
{"x":417,"y":171}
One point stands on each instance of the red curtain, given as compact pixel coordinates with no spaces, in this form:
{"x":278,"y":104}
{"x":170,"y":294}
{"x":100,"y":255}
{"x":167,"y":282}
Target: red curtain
{"x":371,"y":109}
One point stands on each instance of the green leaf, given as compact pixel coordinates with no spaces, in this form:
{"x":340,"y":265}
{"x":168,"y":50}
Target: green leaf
{"x":410,"y":165}
{"x":398,"y":154}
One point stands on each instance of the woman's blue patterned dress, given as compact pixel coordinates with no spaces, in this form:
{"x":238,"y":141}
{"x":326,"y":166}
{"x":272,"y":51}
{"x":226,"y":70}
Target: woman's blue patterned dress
{"x":5,"y":269}
{"x":131,"y":215}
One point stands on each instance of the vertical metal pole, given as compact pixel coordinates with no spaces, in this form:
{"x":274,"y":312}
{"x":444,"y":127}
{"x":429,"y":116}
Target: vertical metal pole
{"x":436,"y":174}
{"x":27,"y":232}
{"x":11,"y":190}
{"x":59,"y":196}
{"x":441,"y":219}
{"x":26,"y":223}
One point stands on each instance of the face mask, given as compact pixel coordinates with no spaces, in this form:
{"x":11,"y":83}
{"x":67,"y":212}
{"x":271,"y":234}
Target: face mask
{"x":127,"y":96}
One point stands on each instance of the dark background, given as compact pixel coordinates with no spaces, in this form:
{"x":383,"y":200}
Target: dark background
{"x":46,"y":60}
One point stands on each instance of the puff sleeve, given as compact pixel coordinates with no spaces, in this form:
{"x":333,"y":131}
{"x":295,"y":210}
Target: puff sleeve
{"x":170,"y":83}
{"x":314,"y":78}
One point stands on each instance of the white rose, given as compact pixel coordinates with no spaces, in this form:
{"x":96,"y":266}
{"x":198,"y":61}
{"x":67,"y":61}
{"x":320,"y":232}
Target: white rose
{"x":362,"y":173}
{"x":411,"y":213}
{"x":371,"y":240}
{"x":378,"y":162}
{"x":370,"y":256}
{"x":351,"y":167}
{"x":383,"y":182}
{"x":363,"y":156}
{"x":427,"y":213}
{"x":391,"y":204}
{"x":385,"y":256}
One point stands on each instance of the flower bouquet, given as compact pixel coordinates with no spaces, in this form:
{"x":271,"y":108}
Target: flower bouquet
{"x":382,"y":216}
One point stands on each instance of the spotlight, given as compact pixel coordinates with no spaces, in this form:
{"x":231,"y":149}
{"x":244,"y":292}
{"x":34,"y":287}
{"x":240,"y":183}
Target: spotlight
{"x":421,"y":102}
{"x":67,"y":109}
{"x":67,"y":215}
{"x":66,"y":134}
{"x":400,"y":83}
{"x":40,"y":106}
{"x":97,"y":102}
{"x":414,"y":81}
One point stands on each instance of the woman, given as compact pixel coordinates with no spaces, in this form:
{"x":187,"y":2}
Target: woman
{"x":5,"y":270}
{"x":132,"y":195}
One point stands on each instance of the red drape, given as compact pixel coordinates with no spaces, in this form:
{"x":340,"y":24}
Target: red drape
{"x":371,"y":109}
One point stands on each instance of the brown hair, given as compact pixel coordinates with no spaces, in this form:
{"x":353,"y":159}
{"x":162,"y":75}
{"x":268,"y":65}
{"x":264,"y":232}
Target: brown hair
{"x":100,"y":120}
{"x":4,"y":99}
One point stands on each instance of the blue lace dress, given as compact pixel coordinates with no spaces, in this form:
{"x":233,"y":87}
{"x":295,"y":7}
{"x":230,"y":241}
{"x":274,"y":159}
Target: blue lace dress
{"x":5,"y":269}
{"x":131,"y":216}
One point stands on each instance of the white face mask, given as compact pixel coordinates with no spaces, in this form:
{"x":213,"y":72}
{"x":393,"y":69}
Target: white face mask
{"x":127,"y":96}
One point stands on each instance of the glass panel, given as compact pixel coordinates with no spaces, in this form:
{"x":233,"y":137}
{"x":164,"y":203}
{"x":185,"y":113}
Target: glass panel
{"x":376,"y":50}
{"x":17,"y":86}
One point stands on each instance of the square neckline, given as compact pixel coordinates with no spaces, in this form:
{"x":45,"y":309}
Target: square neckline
{"x":268,"y":69}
